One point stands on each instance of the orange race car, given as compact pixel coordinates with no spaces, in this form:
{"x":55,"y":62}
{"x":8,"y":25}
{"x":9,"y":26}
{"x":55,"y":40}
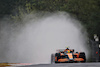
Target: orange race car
{"x":68,"y":55}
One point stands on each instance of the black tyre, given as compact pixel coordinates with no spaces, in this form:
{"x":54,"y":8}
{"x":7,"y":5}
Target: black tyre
{"x":57,"y":54}
{"x":52,"y":58}
{"x":58,"y":57}
{"x":82,"y":55}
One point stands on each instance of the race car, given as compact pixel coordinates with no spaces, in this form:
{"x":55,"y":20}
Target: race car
{"x":68,"y":55}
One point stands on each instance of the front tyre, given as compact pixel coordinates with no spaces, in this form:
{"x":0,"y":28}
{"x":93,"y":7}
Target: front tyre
{"x":82,"y":55}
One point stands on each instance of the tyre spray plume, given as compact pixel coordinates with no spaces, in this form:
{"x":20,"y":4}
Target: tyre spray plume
{"x":37,"y":39}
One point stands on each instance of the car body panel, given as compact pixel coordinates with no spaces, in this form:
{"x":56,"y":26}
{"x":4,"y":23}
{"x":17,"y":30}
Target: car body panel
{"x":68,"y":55}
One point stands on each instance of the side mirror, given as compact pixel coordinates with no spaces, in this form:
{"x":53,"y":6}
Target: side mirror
{"x":76,"y":52}
{"x":73,"y":50}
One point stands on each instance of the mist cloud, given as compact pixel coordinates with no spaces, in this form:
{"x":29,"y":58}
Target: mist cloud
{"x":38,"y":38}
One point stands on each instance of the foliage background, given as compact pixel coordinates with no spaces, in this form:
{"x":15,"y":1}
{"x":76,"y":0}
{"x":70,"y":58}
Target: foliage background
{"x":86,"y":11}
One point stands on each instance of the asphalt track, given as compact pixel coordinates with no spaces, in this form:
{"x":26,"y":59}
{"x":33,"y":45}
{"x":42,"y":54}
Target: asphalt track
{"x":65,"y":65}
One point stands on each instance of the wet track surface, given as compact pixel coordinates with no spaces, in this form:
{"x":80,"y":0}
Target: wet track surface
{"x":66,"y":65}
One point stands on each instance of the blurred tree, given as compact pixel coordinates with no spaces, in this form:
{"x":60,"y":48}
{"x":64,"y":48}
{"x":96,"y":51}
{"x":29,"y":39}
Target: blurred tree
{"x":86,"y":11}
{"x":6,"y":7}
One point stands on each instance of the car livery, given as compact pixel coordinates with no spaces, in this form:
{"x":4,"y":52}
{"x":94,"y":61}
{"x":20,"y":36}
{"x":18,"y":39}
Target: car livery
{"x":68,"y":55}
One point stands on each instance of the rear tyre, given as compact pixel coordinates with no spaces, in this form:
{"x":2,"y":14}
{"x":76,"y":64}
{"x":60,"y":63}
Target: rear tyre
{"x":52,"y":58}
